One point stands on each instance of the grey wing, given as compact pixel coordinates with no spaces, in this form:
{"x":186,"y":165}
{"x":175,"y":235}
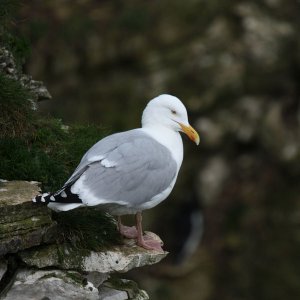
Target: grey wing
{"x":96,"y":153}
{"x":130,"y":174}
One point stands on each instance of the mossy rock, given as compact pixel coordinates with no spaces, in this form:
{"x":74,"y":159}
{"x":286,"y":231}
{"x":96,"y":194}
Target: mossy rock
{"x":23,"y":225}
{"x":116,"y":258}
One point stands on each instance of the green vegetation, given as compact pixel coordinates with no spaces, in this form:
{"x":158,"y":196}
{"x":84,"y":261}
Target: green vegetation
{"x":16,"y":115}
{"x":39,"y":148}
{"x":87,"y":228}
{"x":47,"y":153}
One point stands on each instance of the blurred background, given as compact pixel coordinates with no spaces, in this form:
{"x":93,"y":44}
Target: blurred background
{"x":232,"y":224}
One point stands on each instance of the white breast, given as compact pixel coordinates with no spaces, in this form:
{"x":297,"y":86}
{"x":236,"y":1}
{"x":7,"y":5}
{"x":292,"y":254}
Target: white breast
{"x":170,"y":139}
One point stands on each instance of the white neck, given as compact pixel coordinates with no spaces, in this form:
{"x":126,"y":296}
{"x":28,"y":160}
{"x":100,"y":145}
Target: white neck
{"x":167,"y":137}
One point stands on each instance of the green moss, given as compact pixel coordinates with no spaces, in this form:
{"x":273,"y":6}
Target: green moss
{"x":47,"y":153}
{"x":49,"y":275}
{"x":16,"y":114}
{"x":16,"y":228}
{"x":87,"y":228}
{"x":70,"y":256}
{"x":76,"y":277}
{"x":60,"y":254}
{"x":73,"y":276}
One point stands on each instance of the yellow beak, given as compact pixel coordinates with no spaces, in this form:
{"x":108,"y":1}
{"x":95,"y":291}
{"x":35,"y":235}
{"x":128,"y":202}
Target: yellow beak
{"x":191,"y":133}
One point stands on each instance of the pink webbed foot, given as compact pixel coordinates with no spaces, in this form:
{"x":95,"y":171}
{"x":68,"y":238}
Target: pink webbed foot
{"x":150,"y":241}
{"x":128,"y":232}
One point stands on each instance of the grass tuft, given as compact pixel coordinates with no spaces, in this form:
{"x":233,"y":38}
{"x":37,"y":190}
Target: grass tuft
{"x":87,"y":228}
{"x":16,"y":115}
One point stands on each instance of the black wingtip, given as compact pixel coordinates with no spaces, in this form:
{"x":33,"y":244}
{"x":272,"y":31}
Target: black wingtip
{"x":42,"y":199}
{"x":66,"y":196}
{"x":63,"y":196}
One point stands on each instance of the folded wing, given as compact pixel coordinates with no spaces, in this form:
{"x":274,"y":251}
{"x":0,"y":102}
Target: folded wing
{"x":125,"y":169}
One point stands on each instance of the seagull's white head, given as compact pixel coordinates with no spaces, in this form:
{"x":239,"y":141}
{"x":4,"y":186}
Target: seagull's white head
{"x":169,"y":111}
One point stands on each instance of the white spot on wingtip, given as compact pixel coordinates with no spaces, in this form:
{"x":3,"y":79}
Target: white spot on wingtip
{"x":45,"y":194}
{"x":43,"y":199}
{"x":33,"y":200}
{"x":63,"y":194}
{"x":52,"y":198}
{"x":108,"y":164}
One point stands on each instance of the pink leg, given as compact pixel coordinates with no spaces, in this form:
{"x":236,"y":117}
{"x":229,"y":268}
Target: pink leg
{"x":126,"y":231}
{"x":147,"y":242}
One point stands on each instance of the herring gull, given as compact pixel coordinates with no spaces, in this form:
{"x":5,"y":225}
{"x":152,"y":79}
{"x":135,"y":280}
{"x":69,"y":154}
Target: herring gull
{"x":131,"y":171}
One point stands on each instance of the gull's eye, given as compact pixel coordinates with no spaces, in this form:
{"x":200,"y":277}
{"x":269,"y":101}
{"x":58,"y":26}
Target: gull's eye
{"x":173,"y":112}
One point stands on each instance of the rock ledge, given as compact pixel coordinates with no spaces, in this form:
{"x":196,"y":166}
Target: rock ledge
{"x":36,"y":265}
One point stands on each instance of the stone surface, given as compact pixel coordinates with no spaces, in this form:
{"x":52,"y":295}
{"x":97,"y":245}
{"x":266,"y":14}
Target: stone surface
{"x":118,"y":288}
{"x":96,"y":278}
{"x":112,"y":294}
{"x":15,"y":193}
{"x":53,"y":284}
{"x":22,"y":224}
{"x":115,"y":259}
{"x":31,"y":284}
